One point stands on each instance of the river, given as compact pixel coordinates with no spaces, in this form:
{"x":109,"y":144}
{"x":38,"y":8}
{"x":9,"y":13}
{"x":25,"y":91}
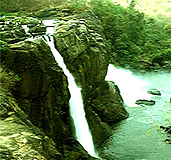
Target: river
{"x":139,"y":137}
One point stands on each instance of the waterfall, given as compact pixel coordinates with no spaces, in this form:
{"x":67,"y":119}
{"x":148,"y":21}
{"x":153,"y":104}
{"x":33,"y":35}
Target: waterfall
{"x":83,"y":134}
{"x":132,"y":87}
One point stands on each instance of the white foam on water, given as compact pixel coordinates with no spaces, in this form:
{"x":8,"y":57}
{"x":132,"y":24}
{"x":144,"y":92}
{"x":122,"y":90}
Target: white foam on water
{"x":131,"y":87}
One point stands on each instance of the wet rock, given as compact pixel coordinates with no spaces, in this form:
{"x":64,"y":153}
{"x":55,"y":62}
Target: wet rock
{"x":76,"y":151}
{"x":99,"y":129}
{"x":145,"y":102}
{"x":168,"y":141}
{"x":167,"y":129}
{"x":38,"y":29}
{"x":81,"y":43}
{"x":154,"y":91}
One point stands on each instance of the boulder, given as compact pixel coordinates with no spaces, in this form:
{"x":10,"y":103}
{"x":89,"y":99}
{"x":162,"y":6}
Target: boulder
{"x":107,"y":103}
{"x":145,"y":102}
{"x":167,"y":129}
{"x":154,"y":91}
{"x":168,"y":141}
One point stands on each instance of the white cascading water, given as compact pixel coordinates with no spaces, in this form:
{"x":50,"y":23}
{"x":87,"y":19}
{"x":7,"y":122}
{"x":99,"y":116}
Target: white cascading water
{"x":76,"y":105}
{"x":131,"y":87}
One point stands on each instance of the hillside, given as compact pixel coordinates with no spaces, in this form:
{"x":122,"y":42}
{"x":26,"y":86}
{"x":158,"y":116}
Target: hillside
{"x":150,"y":7}
{"x":27,"y":5}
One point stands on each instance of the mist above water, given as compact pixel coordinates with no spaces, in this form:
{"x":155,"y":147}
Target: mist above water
{"x":132,"y":87}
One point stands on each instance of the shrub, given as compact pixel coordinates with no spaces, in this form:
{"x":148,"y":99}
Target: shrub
{"x":3,"y":46}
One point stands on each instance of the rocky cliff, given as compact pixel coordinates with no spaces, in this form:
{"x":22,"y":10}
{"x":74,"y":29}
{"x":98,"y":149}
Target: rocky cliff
{"x":80,"y":41}
{"x":42,"y":92}
{"x":20,"y":139}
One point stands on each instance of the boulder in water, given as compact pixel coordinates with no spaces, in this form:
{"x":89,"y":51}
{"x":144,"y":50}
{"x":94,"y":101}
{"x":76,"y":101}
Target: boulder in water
{"x":168,"y":141}
{"x":154,"y":91}
{"x":145,"y":102}
{"x":167,"y":129}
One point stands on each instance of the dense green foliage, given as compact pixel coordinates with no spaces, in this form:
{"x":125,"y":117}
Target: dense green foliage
{"x":2,"y":13}
{"x":3,"y":46}
{"x":28,"y":5}
{"x":133,"y":37}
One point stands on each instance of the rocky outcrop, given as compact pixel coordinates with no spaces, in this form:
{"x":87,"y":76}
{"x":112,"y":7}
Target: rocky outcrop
{"x":80,"y":41}
{"x":167,"y":129}
{"x":12,"y":32}
{"x":154,"y":91}
{"x":145,"y":102}
{"x":42,"y":93}
{"x":39,"y":29}
{"x":20,"y":139}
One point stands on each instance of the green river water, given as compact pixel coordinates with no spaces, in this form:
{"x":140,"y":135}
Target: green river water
{"x":139,"y":137}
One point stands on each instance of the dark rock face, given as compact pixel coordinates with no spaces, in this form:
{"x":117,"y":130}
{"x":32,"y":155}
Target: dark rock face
{"x":145,"y":102}
{"x":20,"y":139}
{"x":81,"y":43}
{"x":167,"y":129}
{"x":42,"y":93}
{"x":154,"y":92}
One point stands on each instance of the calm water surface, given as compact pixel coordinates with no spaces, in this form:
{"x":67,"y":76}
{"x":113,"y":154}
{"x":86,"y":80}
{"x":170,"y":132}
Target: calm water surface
{"x":139,"y":137}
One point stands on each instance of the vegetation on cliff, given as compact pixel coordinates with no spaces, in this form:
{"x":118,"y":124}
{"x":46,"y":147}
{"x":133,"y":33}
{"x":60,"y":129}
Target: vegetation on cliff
{"x":134,"y":39}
